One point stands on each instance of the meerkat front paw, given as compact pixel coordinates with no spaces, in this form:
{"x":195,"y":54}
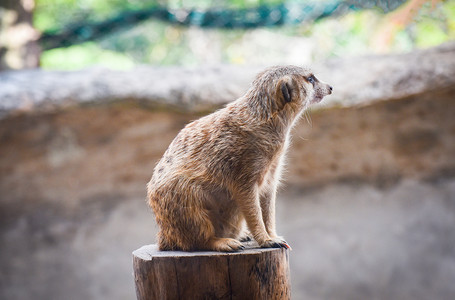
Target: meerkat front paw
{"x":276,"y":242}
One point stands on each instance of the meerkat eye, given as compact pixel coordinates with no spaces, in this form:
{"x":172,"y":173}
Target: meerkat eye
{"x":311,"y":79}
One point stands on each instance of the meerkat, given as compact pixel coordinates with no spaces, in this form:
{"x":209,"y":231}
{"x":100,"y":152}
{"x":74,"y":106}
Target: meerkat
{"x":224,"y":169}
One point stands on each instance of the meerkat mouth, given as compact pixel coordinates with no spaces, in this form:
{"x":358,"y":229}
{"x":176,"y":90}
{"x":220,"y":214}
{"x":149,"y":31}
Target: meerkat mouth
{"x":317,"y":99}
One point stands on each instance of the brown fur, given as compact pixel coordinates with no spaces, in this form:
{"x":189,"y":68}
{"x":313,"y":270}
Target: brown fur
{"x":224,"y":168}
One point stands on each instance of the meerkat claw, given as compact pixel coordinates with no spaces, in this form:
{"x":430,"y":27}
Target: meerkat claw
{"x":246,"y":238}
{"x":286,"y":245}
{"x":283,"y":245}
{"x":276,"y":244}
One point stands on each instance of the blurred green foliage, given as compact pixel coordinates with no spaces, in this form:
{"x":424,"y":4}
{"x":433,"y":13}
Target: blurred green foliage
{"x":431,"y":29}
{"x":157,"y":43}
{"x":87,"y":54}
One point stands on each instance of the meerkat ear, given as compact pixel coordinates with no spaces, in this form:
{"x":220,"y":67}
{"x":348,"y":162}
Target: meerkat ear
{"x":284,"y":92}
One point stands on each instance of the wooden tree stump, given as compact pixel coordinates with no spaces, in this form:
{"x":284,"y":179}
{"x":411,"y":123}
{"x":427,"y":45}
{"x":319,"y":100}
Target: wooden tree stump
{"x":254,"y":273}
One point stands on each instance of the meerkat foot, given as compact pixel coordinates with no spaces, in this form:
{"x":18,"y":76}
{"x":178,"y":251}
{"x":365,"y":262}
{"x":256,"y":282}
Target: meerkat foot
{"x":226,"y":245}
{"x":245,"y":238}
{"x":277,"y":242}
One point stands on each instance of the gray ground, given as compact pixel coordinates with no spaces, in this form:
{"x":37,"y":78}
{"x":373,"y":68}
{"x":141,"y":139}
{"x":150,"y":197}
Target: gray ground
{"x":350,"y":241}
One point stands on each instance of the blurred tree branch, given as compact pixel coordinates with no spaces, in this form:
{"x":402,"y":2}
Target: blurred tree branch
{"x":398,"y":20}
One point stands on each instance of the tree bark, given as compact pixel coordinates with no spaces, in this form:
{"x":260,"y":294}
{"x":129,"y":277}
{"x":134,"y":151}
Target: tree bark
{"x":250,"y":274}
{"x":18,"y":39}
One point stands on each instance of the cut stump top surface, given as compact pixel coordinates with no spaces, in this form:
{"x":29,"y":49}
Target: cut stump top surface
{"x":148,"y":252}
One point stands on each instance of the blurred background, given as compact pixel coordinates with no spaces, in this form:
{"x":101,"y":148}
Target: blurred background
{"x":93,"y":91}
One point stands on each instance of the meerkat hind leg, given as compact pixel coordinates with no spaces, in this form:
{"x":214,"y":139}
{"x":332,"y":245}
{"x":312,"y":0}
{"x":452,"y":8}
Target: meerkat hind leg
{"x":225,"y":245}
{"x":226,"y":219}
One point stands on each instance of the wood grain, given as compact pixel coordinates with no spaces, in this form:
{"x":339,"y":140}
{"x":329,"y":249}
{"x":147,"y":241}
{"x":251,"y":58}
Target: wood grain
{"x":254,"y":273}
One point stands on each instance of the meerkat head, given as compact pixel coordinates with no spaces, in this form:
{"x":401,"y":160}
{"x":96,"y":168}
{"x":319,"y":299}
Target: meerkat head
{"x":297,"y":88}
{"x":287,"y":89}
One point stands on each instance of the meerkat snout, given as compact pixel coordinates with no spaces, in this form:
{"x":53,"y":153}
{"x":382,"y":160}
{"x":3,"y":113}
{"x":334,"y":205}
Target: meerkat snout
{"x":321,"y":89}
{"x":222,"y":171}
